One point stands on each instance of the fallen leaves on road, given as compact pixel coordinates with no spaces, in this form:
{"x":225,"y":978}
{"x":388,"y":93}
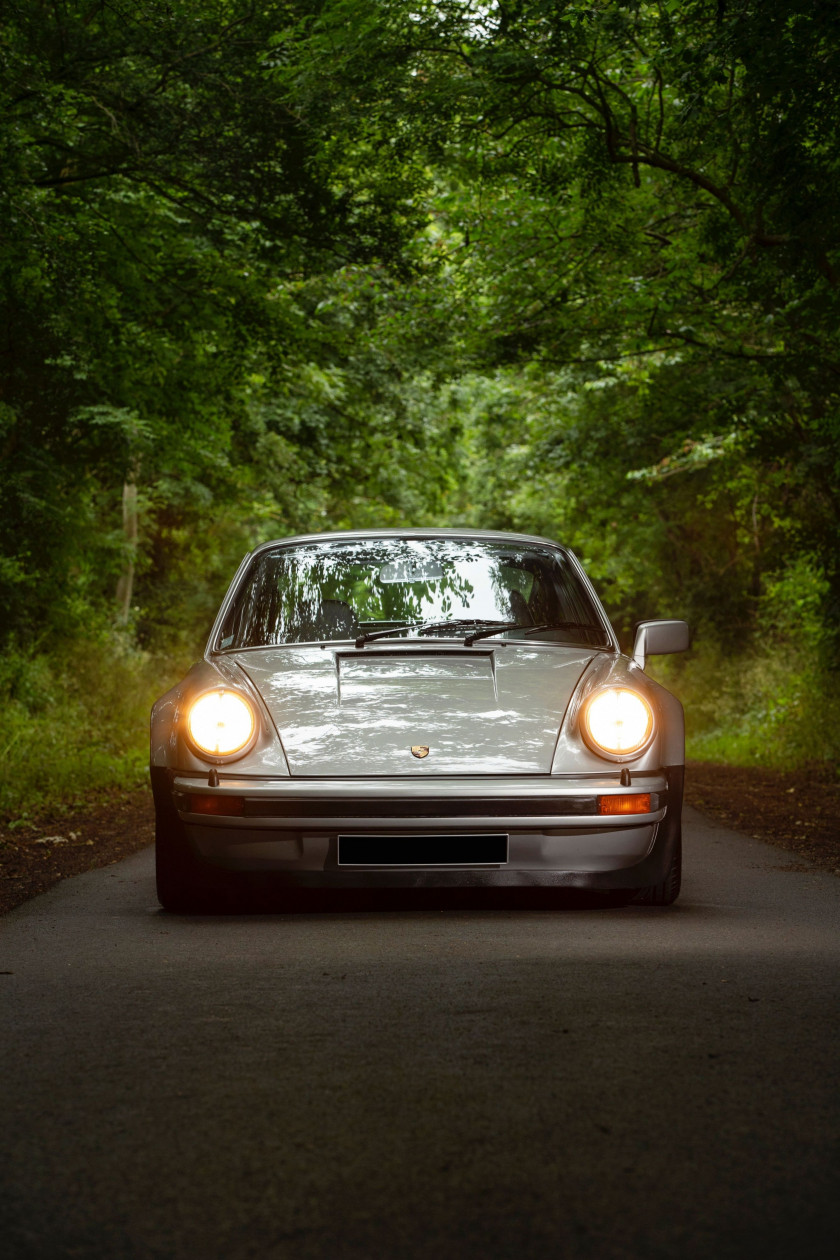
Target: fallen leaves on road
{"x":37,"y":854}
{"x":798,"y":810}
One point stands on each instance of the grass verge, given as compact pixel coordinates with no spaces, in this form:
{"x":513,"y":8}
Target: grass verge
{"x":76,"y":723}
{"x":769,"y":708}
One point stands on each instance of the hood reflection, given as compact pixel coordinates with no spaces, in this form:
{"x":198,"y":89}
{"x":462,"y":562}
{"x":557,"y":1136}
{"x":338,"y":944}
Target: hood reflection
{"x":351,"y":713}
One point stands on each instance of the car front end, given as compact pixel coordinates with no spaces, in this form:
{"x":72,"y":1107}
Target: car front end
{"x":448,"y":754}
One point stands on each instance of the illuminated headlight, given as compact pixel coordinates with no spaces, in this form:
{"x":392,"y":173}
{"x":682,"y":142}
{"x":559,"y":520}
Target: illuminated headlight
{"x":617,"y":721}
{"x":221,"y":723}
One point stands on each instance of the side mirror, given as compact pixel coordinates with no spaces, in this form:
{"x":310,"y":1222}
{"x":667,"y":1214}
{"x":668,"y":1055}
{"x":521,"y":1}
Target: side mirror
{"x":658,"y":638}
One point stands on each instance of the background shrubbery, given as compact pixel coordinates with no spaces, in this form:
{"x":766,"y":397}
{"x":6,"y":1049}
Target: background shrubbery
{"x":76,"y":720}
{"x":777,"y":701}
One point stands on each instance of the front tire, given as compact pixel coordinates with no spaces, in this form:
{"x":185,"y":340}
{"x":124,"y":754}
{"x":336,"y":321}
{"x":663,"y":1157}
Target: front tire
{"x":177,"y":873}
{"x":666,"y":892}
{"x":184,"y":884}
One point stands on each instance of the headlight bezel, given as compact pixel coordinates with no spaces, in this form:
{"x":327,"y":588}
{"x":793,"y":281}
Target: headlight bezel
{"x":592,"y":743}
{"x":217,"y":758}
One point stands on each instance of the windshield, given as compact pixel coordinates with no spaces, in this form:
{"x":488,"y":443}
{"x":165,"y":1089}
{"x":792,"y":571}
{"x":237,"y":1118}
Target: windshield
{"x":343,"y":589}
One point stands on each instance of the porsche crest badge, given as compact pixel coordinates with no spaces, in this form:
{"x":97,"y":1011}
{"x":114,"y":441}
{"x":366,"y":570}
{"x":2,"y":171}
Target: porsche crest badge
{"x":420,"y":750}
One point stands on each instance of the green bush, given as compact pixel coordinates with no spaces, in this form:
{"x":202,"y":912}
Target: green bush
{"x":76,"y":720}
{"x":776,"y":703}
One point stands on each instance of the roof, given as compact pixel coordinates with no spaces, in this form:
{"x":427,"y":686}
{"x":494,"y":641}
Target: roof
{"x":418,"y":532}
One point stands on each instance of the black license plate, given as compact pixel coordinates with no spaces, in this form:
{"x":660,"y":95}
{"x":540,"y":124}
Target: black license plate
{"x":424,"y":850}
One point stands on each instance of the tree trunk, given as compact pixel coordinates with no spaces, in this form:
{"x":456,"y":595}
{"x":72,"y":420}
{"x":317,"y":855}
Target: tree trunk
{"x":125,"y":585}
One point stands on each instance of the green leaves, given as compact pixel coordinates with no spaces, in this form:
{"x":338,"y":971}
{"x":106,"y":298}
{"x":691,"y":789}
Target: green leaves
{"x":569,"y":268}
{"x":168,"y":205}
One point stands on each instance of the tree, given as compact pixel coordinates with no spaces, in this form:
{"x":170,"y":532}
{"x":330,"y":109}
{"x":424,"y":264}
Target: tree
{"x":638,"y":197}
{"x":164,"y":207}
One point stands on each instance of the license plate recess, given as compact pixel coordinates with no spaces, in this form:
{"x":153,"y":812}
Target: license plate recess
{"x":429,"y":849}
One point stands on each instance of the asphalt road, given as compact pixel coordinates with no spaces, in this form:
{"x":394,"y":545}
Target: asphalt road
{"x":417,"y":1083}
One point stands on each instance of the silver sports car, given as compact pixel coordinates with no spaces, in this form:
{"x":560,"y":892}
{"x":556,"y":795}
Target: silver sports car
{"x":415,"y":709}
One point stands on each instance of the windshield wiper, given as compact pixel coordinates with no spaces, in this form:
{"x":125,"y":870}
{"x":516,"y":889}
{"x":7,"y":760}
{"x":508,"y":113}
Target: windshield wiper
{"x":370,"y":635}
{"x":425,"y":627}
{"x":458,"y":621}
{"x":529,"y":629}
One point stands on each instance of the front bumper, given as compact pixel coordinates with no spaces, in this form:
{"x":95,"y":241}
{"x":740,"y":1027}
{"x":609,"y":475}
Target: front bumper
{"x":289,"y":829}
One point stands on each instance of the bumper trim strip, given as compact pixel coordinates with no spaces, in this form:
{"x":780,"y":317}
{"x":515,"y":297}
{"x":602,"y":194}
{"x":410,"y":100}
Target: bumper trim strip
{"x":429,"y":807}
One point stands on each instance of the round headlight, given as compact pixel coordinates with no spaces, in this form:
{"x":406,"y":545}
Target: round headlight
{"x":221,"y":722}
{"x":617,"y":721}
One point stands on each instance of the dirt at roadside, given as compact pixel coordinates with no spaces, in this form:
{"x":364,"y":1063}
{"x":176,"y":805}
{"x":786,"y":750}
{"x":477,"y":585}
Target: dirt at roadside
{"x":796,"y":810}
{"x":36,"y":855}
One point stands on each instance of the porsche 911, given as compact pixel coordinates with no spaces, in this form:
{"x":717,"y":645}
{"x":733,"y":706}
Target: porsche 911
{"x":415,"y":709}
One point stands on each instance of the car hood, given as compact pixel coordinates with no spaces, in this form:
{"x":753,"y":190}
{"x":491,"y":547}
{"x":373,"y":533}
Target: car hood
{"x":342,"y":711}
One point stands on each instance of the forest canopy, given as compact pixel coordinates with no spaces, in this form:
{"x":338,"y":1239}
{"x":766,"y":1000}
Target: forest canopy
{"x":566,"y":268}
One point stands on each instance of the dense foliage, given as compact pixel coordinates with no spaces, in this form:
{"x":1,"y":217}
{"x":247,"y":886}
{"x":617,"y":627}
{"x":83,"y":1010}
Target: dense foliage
{"x":570,"y":268}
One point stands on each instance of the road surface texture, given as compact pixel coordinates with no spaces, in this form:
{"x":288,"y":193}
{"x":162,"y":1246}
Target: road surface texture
{"x":508,"y":1082}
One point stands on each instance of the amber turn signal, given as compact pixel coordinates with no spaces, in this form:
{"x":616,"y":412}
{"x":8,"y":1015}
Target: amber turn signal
{"x":230,"y":806}
{"x":632,"y":803}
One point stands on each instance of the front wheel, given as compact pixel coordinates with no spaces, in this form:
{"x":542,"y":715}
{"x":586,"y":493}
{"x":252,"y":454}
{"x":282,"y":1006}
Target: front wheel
{"x":666,"y":892}
{"x":184,"y":883}
{"x":181,"y":884}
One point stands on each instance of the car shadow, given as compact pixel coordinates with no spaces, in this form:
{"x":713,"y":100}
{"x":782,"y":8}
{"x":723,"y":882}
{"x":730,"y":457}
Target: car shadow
{"x":262,"y":901}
